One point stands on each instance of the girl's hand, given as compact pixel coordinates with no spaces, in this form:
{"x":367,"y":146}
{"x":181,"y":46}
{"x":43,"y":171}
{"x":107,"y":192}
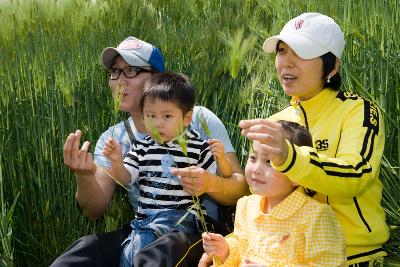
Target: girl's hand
{"x":217,"y":148}
{"x":112,"y":150}
{"x":215,"y":245}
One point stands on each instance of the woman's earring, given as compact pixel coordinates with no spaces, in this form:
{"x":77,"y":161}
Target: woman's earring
{"x":329,"y":79}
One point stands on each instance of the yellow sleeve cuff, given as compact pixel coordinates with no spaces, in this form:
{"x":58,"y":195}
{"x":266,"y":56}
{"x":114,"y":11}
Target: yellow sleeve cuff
{"x":291,"y":158}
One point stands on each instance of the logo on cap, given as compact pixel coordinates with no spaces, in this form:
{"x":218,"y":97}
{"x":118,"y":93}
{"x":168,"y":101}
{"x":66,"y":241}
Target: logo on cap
{"x":131,"y":44}
{"x":298,"y":24}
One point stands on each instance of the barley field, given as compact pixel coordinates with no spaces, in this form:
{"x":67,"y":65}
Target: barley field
{"x":51,"y":83}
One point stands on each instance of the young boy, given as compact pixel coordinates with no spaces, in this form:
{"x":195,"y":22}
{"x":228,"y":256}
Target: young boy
{"x":278,"y":225}
{"x":167,"y":102}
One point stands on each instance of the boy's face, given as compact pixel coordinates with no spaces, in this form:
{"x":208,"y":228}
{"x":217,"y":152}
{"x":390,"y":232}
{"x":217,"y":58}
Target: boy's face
{"x":167,"y":117}
{"x":263,"y":179}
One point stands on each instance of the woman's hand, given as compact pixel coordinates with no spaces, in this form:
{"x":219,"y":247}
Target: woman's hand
{"x":271,"y":136}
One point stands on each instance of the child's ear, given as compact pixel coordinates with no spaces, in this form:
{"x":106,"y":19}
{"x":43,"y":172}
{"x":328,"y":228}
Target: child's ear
{"x":187,"y":119}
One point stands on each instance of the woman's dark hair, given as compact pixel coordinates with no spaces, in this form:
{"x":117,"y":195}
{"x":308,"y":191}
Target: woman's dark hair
{"x":328,"y":64}
{"x":170,"y":87}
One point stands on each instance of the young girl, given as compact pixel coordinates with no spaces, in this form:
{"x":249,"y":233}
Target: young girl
{"x":278,"y":225}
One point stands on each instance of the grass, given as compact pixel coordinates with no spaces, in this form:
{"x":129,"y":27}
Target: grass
{"x":52,"y":83}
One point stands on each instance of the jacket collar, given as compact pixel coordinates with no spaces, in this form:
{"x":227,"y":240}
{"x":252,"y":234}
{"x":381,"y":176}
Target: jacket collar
{"x":315,"y":106}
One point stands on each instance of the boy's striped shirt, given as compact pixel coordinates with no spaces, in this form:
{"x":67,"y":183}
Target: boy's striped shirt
{"x":150,"y":164}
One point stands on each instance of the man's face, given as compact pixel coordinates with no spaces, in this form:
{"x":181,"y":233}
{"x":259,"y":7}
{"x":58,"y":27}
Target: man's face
{"x":131,"y":88}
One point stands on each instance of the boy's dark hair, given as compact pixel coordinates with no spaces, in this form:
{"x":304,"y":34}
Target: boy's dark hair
{"x":300,"y":136}
{"x":296,"y":134}
{"x":170,"y":87}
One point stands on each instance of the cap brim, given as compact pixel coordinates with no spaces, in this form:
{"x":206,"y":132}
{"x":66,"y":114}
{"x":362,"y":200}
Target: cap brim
{"x":301,"y":45}
{"x":110,"y":53}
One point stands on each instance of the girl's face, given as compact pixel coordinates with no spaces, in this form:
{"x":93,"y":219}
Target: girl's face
{"x":132,"y":88}
{"x":298,"y":77}
{"x":265,"y":180}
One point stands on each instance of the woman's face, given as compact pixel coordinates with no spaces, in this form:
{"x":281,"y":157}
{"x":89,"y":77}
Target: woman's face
{"x":298,"y":77}
{"x":132,"y":88}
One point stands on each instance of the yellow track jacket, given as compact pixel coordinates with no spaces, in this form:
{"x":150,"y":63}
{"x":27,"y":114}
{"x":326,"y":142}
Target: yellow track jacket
{"x":343,"y":167}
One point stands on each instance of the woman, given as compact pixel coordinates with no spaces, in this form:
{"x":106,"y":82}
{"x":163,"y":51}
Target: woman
{"x":347,"y":130}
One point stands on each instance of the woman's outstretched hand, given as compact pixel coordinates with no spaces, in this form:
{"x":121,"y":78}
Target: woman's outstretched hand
{"x":271,"y":136}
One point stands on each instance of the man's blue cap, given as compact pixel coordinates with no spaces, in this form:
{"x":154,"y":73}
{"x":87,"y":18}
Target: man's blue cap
{"x":136,"y":53}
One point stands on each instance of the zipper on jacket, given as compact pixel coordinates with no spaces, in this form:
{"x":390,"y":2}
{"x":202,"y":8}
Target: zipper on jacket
{"x":305,"y":115}
{"x":360,"y":214}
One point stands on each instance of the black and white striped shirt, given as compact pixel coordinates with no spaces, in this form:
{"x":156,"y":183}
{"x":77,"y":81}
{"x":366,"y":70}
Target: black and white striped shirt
{"x":150,"y":162}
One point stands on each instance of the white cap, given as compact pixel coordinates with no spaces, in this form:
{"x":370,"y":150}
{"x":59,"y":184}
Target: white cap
{"x":310,"y":35}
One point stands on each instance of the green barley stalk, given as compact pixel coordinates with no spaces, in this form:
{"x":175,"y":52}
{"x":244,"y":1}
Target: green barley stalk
{"x":203,"y":124}
{"x":7,"y":253}
{"x":151,"y":126}
{"x":112,"y":177}
{"x":186,"y":214}
{"x":117,"y":98}
{"x":181,"y":139}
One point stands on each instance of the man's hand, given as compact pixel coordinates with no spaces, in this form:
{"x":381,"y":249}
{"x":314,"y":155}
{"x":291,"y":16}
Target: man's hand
{"x":271,"y":136}
{"x":194,"y":180}
{"x":78,"y":160}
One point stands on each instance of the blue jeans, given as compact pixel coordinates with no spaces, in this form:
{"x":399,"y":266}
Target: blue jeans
{"x":146,"y":231}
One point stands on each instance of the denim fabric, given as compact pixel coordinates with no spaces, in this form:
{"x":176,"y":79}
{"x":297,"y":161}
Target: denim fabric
{"x":146,"y":231}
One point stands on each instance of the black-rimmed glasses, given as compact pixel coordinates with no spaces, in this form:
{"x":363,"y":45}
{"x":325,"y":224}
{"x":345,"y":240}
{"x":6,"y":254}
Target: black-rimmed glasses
{"x":129,"y":72}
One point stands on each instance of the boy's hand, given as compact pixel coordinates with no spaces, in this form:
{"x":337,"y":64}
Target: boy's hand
{"x":217,"y":148}
{"x":215,"y":245}
{"x":112,"y":150}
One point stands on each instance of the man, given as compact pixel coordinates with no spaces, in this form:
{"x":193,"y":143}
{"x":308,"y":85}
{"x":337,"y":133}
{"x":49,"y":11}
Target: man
{"x":131,"y":64}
